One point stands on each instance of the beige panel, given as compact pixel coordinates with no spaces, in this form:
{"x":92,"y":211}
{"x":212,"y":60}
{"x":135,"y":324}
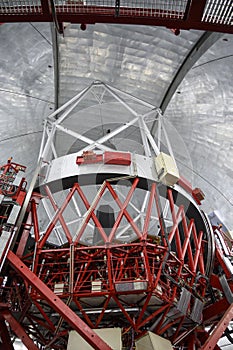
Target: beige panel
{"x":112,"y":336}
{"x":153,"y":341}
{"x":166,"y":168}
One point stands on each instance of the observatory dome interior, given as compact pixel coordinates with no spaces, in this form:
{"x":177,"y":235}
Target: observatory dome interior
{"x":188,"y":76}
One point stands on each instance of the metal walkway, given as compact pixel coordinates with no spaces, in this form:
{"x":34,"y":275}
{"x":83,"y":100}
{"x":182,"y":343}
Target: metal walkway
{"x":208,"y":15}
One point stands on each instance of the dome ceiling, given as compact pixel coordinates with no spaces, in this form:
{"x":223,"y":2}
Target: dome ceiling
{"x":26,"y":89}
{"x":140,"y":60}
{"x":202,"y":112}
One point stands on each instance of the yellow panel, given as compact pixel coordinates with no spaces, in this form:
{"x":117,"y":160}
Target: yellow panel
{"x":112,"y":336}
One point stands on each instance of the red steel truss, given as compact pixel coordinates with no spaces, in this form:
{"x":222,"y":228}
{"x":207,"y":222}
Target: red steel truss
{"x":151,"y":273}
{"x":176,"y":283}
{"x":209,"y":15}
{"x":110,"y":240}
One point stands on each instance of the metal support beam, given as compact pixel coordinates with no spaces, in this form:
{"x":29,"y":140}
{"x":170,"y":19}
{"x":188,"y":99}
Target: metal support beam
{"x":56,"y":66}
{"x":57,"y":304}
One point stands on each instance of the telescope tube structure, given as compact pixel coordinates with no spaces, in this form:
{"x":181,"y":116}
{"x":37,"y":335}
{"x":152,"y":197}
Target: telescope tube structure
{"x":109,"y":236}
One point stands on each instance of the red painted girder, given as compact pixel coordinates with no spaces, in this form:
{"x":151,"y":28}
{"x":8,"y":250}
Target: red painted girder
{"x":35,"y":220}
{"x":24,"y":237}
{"x":99,"y":319}
{"x":83,"y":312}
{"x":73,"y":320}
{"x":186,"y":248}
{"x":135,"y":20}
{"x":154,"y":314}
{"x":19,"y":331}
{"x":211,"y":342}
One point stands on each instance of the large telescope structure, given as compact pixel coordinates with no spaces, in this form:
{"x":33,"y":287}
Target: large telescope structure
{"x":108,"y":247}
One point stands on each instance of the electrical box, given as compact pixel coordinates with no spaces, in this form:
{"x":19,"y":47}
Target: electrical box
{"x":111,"y":336}
{"x":166,"y":168}
{"x":13,"y":214}
{"x":58,"y":288}
{"x":17,"y":180}
{"x":4,"y":239}
{"x":131,"y":286}
{"x":152,"y":341}
{"x":96,"y":286}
